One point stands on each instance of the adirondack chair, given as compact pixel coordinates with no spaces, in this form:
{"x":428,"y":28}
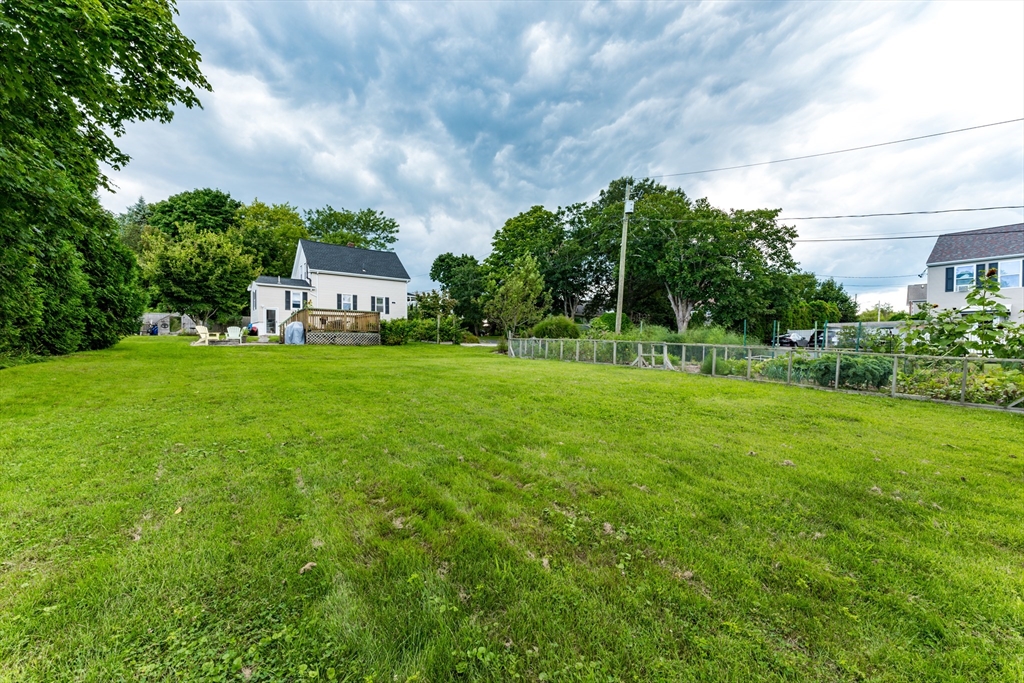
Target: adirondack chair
{"x":234,"y":333}
{"x":205,"y":335}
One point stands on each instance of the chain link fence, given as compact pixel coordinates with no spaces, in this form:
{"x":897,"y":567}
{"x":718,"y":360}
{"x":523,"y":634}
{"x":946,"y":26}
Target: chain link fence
{"x":993,"y":382}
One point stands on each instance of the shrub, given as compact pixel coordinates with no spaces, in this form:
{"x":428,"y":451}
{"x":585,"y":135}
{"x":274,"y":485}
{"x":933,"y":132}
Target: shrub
{"x":732,"y":366}
{"x":557,"y":327}
{"x":396,"y":332}
{"x":447,"y":330}
{"x":502,"y":345}
{"x":859,"y":372}
{"x":606,"y":323}
{"x":470,"y":338}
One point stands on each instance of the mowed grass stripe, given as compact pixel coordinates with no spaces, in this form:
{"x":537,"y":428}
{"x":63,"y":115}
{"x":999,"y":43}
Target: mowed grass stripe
{"x":475,"y":517}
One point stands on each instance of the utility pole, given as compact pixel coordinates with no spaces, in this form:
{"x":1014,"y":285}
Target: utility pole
{"x":626,"y":210}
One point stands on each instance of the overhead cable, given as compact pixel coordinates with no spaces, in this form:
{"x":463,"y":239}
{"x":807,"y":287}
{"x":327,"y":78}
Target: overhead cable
{"x":837,"y":151}
{"x":901,"y":213}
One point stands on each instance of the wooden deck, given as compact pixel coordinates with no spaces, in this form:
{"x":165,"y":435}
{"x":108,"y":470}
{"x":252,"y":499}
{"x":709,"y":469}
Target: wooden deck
{"x":330,"y":326}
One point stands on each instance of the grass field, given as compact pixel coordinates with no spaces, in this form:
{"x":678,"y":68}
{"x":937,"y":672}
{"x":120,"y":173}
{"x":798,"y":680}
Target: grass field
{"x":474,"y":517}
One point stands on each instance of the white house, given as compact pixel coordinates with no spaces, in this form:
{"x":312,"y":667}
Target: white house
{"x":959,"y":259}
{"x":345,"y":278}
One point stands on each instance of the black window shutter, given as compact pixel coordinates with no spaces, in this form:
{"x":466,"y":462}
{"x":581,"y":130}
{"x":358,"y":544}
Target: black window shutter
{"x":387,"y":306}
{"x":373,"y":303}
{"x":355,"y":303}
{"x":287,"y":300}
{"x":979,"y":270}
{"x":949,"y":279}
{"x":339,"y":302}
{"x":304,"y":299}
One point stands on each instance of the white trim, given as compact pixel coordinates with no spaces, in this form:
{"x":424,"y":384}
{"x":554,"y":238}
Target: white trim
{"x":964,"y":262}
{"x":274,"y":284}
{"x":363,"y":275}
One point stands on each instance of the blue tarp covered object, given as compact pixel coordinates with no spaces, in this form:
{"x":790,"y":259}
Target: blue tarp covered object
{"x":293,"y":333}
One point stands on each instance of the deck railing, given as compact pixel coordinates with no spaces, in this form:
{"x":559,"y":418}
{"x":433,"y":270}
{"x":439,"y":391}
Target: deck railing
{"x":331,"y":320}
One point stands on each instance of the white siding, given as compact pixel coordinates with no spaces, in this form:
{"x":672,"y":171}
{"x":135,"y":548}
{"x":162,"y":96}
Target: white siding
{"x":270,"y":296}
{"x":300,"y":269}
{"x":937,"y":293}
{"x":327,"y":287}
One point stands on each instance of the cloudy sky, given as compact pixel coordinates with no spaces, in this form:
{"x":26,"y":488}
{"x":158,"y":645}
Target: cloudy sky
{"x":452,"y":117}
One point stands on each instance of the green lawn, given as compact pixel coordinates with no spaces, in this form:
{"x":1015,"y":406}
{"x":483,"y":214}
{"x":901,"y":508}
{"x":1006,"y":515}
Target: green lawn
{"x":474,"y":517}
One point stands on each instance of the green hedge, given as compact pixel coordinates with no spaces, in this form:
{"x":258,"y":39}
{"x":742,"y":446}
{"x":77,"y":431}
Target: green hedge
{"x":556,"y":327}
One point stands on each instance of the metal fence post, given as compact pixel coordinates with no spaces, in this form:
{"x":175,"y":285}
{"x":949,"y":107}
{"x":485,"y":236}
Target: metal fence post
{"x":838,"y":356}
{"x":963,"y":384}
{"x":664,"y":358}
{"x":577,"y":350}
{"x":789,"y":368}
{"x":561,"y":349}
{"x":748,"y":361}
{"x":714,"y":357}
{"x":615,"y":347}
{"x":594,"y":359}
{"x":895,"y":371}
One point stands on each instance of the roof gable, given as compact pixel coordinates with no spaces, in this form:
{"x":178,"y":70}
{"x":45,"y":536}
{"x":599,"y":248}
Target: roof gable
{"x":336,"y":258}
{"x":1004,"y":240}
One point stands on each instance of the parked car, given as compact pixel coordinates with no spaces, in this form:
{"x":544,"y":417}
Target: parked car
{"x":817,"y":339}
{"x":792,"y":339}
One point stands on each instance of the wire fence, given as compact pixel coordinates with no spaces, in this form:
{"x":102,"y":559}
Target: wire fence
{"x":991,"y":382}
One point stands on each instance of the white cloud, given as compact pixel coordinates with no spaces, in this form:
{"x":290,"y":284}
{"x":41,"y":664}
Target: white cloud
{"x":452,"y":118}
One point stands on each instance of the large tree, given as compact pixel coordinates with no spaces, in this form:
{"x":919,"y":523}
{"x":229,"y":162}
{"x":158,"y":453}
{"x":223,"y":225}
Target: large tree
{"x":205,"y":209}
{"x":598,"y":227}
{"x":709,"y":259}
{"x":463,"y":278}
{"x":270,"y":233}
{"x":73,"y":72}
{"x":368,"y":229}
{"x":552,"y":239}
{"x":203,"y":274}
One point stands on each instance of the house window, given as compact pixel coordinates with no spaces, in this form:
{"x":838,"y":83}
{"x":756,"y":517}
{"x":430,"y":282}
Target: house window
{"x":377,"y":304}
{"x":964,"y":278}
{"x":1009,"y":274}
{"x":297,"y":300}
{"x":345,"y":302}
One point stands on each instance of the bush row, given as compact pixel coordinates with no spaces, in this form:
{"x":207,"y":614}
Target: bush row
{"x":396,"y":332}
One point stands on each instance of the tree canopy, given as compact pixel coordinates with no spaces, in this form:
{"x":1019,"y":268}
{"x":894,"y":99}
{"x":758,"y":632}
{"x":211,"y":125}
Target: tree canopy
{"x":367,"y":228}
{"x":270,"y":233}
{"x":206,"y":209}
{"x":73,"y":73}
{"x":203,"y":274}
{"x":463,"y":278}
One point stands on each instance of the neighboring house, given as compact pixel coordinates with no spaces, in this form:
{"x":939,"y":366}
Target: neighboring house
{"x":917,"y":296}
{"x":959,"y":259}
{"x":331,"y":276}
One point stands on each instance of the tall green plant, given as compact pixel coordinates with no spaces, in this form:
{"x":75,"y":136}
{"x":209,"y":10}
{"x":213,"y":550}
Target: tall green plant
{"x":982,"y":328}
{"x":519,"y":301}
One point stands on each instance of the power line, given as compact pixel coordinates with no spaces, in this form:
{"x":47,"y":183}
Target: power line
{"x":903,"y":237}
{"x":902,"y":213}
{"x":869,"y":277}
{"x":838,"y":151}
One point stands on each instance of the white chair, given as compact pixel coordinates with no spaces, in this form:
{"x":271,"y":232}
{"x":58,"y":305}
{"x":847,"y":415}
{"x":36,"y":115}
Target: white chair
{"x":205,"y":336}
{"x":234,"y":334}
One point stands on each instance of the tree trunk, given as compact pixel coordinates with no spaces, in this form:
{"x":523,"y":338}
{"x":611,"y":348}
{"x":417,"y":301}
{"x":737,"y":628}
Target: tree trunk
{"x":683,"y":309}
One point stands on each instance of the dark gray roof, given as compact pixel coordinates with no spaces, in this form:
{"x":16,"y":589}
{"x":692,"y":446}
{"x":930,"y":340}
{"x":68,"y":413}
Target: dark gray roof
{"x":340,"y":259}
{"x":1005,"y":240}
{"x":274,"y":280}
